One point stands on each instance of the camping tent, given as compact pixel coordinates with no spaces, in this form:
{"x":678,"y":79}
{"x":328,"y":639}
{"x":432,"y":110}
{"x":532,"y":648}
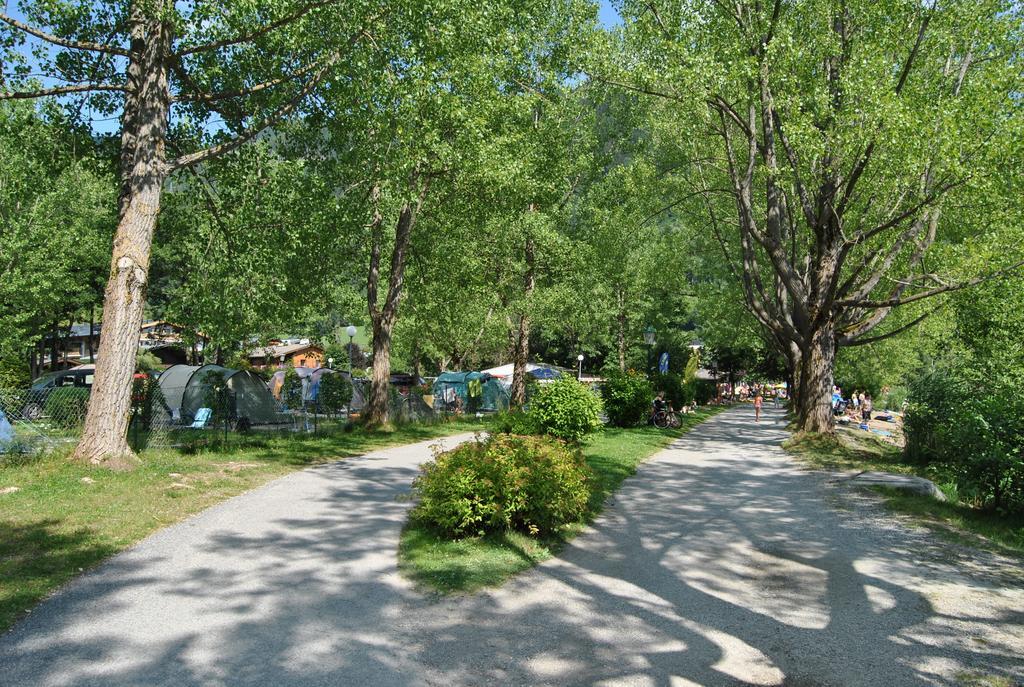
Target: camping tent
{"x":474,"y":390}
{"x":6,"y":433}
{"x":186,"y":389}
{"x":503,"y":373}
{"x":311,"y":385}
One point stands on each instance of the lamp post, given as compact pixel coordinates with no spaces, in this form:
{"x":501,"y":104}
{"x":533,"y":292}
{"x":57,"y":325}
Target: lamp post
{"x":649,"y":334}
{"x":351,"y":331}
{"x":579,"y":375}
{"x":330,"y":363}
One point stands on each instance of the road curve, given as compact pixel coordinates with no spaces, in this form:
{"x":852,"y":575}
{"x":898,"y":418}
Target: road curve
{"x":720,"y":563}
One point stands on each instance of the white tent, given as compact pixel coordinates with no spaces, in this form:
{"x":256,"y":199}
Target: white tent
{"x":503,"y":373}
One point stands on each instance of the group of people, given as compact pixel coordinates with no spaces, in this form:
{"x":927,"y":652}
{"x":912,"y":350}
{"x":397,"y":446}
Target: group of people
{"x":860,"y":403}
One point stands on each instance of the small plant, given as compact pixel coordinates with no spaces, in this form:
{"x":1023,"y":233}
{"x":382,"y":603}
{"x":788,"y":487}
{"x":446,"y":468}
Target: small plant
{"x":534,"y":485}
{"x":566,"y":409}
{"x":516,"y":422}
{"x":627,"y":398}
{"x":335,"y":392}
{"x":291,"y":389}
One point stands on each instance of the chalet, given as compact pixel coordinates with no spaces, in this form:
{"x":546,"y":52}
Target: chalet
{"x":281,"y":355}
{"x":165,"y":340}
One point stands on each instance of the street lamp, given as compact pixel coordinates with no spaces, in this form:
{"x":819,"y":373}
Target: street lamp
{"x":330,"y":363}
{"x":351,"y":331}
{"x":649,"y":334}
{"x":579,"y":375}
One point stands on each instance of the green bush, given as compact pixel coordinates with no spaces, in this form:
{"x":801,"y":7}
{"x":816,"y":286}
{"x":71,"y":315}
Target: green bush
{"x":335,"y":392}
{"x":627,"y":398}
{"x":677,"y":391}
{"x":969,"y":432}
{"x":566,"y":409}
{"x":704,"y":391}
{"x":14,"y":374}
{"x":66,"y":406}
{"x":516,"y":422}
{"x":291,"y":389}
{"x":535,"y":485}
{"x":146,"y":397}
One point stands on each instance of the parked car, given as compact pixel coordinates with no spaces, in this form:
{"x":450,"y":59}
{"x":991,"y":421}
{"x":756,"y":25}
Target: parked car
{"x":42,"y":387}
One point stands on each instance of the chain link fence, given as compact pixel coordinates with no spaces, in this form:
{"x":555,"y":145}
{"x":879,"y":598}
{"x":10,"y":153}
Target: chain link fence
{"x":35,"y":421}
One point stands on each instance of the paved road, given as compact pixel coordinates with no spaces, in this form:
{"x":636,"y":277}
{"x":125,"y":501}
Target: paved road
{"x":721,"y":563}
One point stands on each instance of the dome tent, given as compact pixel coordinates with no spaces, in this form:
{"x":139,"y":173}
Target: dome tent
{"x":187,"y":388}
{"x":469,"y":385}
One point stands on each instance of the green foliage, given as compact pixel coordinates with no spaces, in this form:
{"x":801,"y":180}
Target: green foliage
{"x":534,"y":485}
{"x":14,"y":374}
{"x":58,"y":203}
{"x":677,"y":392}
{"x":66,"y":406}
{"x":627,"y":398}
{"x":970,"y":434}
{"x":704,"y":391}
{"x":147,"y":363}
{"x":146,"y":397}
{"x":291,"y":389}
{"x":566,"y":409}
{"x":516,"y":422}
{"x":335,"y":392}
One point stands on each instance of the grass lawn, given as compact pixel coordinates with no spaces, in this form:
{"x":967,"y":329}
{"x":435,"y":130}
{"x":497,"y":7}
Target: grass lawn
{"x":66,"y":517}
{"x":465,"y":565}
{"x":860,"y":451}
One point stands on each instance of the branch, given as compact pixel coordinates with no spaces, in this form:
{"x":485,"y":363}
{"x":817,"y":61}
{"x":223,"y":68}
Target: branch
{"x":657,"y":18}
{"x":640,"y":89}
{"x":262,"y":31}
{"x":254,"y":130}
{"x":862,"y":163}
{"x":861,"y":341}
{"x":63,"y":42}
{"x":697,"y":192}
{"x":61,"y":90}
{"x":242,"y":92}
{"x":898,"y":301}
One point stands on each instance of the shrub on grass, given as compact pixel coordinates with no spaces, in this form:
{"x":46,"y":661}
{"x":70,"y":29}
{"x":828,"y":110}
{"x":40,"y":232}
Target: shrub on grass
{"x":534,"y":485}
{"x":627,"y":399}
{"x":516,"y":422}
{"x":335,"y":392}
{"x":566,"y":409}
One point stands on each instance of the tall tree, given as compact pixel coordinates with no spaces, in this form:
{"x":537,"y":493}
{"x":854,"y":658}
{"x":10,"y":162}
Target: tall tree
{"x":841,"y":132}
{"x":251,"y":63}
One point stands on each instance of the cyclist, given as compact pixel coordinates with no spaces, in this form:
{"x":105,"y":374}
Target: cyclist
{"x":658,"y":405}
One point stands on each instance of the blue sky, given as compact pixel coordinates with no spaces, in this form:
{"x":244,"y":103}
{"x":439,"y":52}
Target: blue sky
{"x":609,"y":17}
{"x":606,"y":13}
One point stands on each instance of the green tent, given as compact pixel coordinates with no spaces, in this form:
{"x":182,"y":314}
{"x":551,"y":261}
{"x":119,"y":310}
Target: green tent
{"x":186,"y":389}
{"x":475,"y":391}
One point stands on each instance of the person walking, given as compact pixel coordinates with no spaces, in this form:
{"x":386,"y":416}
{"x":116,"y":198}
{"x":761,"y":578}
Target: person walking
{"x":865,"y":409}
{"x":757,"y":407}
{"x":776,"y":397}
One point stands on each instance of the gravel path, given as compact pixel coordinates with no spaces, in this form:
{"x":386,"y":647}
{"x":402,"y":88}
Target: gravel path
{"x":721,"y":563}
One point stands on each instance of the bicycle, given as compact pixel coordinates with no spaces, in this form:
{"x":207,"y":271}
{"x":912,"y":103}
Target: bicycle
{"x":663,"y":419}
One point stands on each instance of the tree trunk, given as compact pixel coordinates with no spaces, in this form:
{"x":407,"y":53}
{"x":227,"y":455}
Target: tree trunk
{"x":383,"y":318}
{"x":621,"y":331}
{"x":143,"y":171}
{"x":521,"y":338}
{"x":814,"y":400}
{"x":377,"y":411}
{"x":54,"y":339}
